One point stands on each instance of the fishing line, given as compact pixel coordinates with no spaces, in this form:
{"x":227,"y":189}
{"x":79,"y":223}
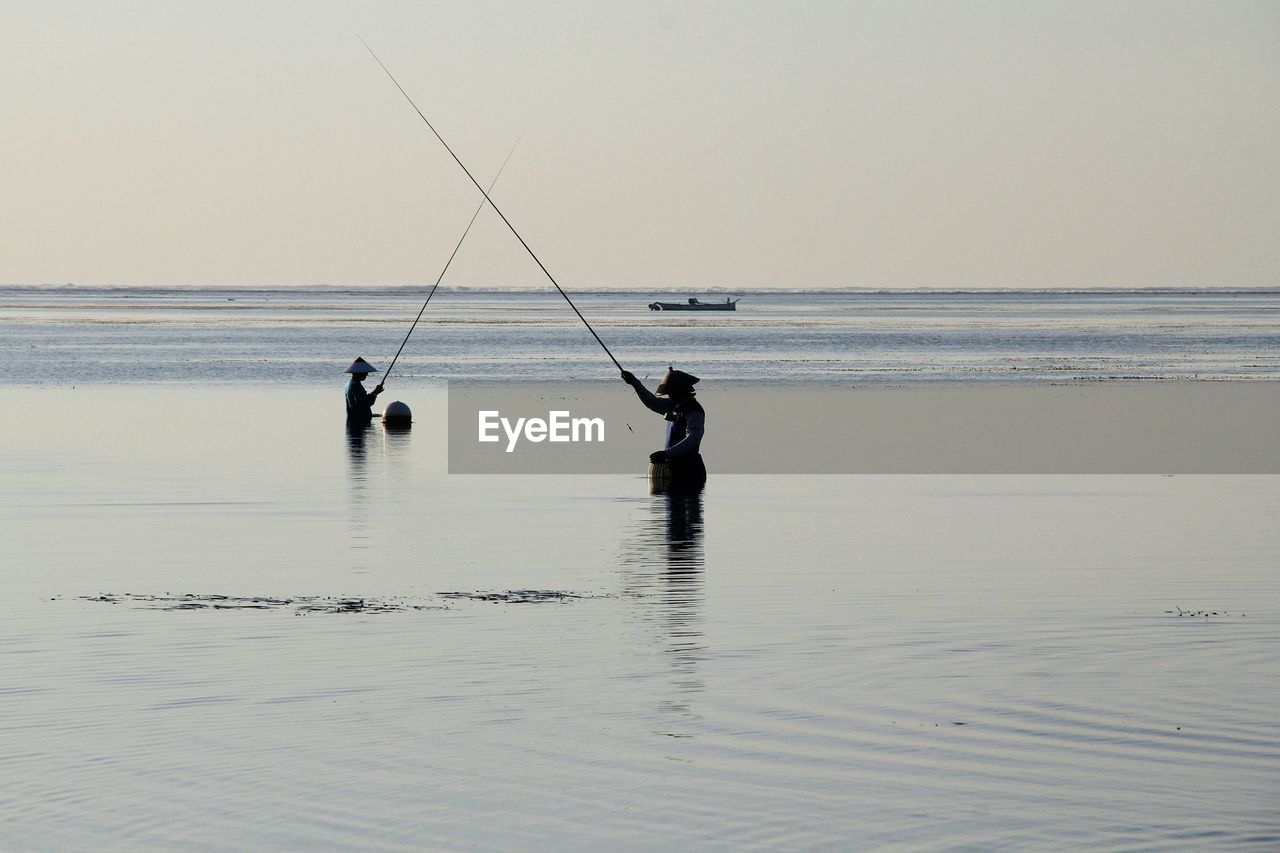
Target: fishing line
{"x":550,"y":277}
{"x":440,"y":278}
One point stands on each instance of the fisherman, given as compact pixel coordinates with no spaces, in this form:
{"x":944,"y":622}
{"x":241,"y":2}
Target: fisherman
{"x":360,"y":401}
{"x":686,"y":423}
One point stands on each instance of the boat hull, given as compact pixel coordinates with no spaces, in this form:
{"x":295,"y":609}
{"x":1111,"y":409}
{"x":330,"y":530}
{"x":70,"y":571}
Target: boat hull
{"x":701,"y":306}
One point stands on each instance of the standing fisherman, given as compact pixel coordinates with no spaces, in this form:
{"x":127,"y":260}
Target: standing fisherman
{"x":686,"y":423}
{"x":360,"y":401}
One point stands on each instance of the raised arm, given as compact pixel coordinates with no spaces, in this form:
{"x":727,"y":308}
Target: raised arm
{"x":651,"y":401}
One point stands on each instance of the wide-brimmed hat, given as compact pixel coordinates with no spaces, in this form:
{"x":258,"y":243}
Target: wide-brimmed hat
{"x":361,"y":366}
{"x":676,"y":380}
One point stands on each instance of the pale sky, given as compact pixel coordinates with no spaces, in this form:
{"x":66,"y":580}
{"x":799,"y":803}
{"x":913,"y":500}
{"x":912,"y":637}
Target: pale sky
{"x":728,"y":144}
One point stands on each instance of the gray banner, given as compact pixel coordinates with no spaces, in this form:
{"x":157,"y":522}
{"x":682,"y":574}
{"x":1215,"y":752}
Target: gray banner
{"x":819,"y":428}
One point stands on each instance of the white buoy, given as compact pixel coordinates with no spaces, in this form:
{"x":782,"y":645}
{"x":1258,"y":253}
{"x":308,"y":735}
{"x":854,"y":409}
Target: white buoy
{"x":397,"y":414}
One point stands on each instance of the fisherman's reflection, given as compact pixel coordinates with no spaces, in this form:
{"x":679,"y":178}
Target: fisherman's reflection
{"x":379,"y":468}
{"x":683,"y":512}
{"x":357,"y":435}
{"x":376,"y":447}
{"x":665,"y":573}
{"x":358,"y":476}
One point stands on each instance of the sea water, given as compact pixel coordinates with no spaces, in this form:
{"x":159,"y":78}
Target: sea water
{"x":232,"y":623}
{"x":283,"y":335}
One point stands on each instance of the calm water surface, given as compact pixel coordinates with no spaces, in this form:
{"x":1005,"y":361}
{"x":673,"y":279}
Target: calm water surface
{"x":786,"y":662}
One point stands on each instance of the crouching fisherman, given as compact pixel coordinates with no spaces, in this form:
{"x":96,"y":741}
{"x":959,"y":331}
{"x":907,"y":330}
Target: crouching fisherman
{"x":360,"y":401}
{"x":686,"y":424}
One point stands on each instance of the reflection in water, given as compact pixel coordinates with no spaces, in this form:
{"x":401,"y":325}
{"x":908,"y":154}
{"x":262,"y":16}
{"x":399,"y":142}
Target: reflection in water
{"x":357,"y":474}
{"x":395,"y":449}
{"x":378,"y":471}
{"x":356,"y":436}
{"x":664,"y":570}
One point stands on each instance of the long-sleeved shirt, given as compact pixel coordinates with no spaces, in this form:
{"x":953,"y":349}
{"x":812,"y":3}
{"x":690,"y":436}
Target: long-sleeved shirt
{"x":359,"y":401}
{"x":686,"y":420}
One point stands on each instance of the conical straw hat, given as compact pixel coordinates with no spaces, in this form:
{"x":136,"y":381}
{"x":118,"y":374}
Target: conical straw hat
{"x":361,"y":366}
{"x":677,"y":379}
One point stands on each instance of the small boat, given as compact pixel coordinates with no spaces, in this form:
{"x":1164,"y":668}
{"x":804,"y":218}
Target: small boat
{"x":695,"y":305}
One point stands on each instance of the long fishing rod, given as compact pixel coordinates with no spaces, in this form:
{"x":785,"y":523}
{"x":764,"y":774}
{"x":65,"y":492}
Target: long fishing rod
{"x":454,"y":254}
{"x":491,"y":204}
